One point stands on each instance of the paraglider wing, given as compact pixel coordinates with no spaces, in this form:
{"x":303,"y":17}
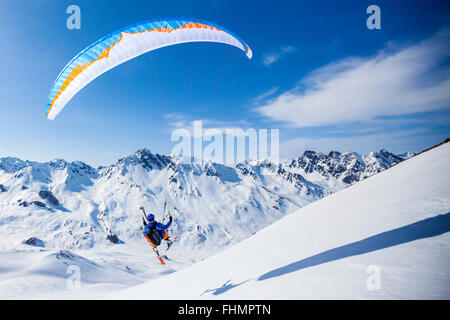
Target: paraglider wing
{"x":128,"y":43}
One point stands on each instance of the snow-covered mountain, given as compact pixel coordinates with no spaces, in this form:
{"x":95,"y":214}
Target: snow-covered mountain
{"x":387,"y":237}
{"x":71,"y":205}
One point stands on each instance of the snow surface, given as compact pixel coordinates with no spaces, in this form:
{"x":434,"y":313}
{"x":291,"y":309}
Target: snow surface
{"x":395,"y":222}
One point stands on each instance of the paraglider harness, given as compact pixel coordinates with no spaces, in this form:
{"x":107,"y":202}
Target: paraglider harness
{"x":153,"y":234}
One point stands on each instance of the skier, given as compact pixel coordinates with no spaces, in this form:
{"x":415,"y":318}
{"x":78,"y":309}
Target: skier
{"x":154,"y":231}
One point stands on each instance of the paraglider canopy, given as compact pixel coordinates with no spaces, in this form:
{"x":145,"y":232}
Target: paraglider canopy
{"x":128,"y":43}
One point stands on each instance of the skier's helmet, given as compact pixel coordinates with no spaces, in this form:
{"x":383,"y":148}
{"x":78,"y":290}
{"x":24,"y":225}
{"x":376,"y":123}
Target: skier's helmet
{"x":150,"y":217}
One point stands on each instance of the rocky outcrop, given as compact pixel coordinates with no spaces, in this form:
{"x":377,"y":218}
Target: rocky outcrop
{"x":33,"y":241}
{"x":47,"y":195}
{"x":112,"y":238}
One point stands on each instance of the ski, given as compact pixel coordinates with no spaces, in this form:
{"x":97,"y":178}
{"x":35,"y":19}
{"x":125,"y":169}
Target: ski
{"x":154,"y":249}
{"x":158,"y":256}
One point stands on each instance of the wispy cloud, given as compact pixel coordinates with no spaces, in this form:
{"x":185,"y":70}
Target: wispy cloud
{"x":409,"y":80}
{"x":272,"y":57}
{"x":176,"y":120}
{"x":264,"y":96}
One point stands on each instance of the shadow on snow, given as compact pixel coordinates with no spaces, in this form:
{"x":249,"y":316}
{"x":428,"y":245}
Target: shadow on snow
{"x":224,"y":288}
{"x":422,"y":229}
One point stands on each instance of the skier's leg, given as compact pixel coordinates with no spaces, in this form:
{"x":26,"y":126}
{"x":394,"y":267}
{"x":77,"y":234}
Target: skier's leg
{"x":169,"y":243}
{"x":156,"y":251}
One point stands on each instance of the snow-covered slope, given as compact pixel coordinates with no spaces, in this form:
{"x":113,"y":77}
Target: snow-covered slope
{"x":384,"y":237}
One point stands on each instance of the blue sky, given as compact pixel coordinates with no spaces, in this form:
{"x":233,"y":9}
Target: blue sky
{"x":317,"y":74}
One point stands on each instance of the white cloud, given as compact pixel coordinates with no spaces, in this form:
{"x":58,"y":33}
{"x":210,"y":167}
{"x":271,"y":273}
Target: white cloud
{"x":176,"y":120}
{"x":262,"y":97}
{"x":357,"y":89}
{"x":270,"y":58}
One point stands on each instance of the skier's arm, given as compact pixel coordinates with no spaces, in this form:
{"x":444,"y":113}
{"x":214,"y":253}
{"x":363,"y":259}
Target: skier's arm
{"x":167,"y":225}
